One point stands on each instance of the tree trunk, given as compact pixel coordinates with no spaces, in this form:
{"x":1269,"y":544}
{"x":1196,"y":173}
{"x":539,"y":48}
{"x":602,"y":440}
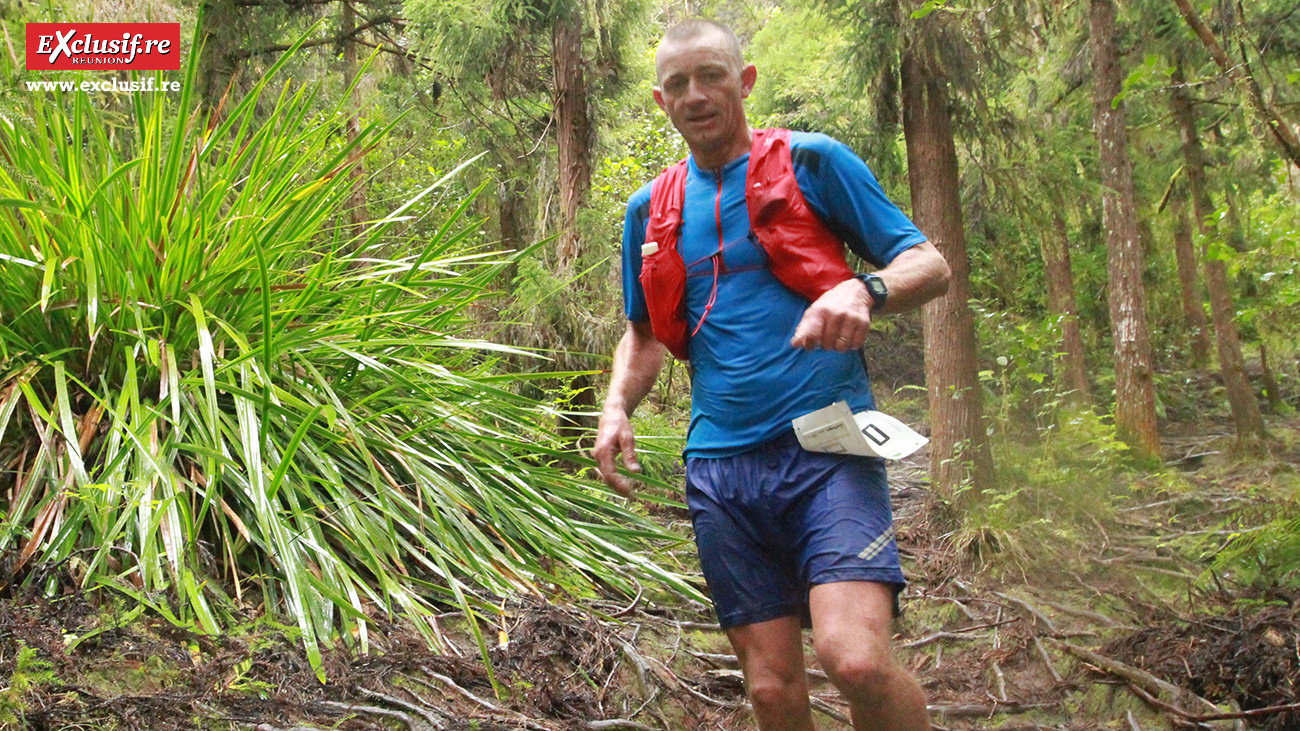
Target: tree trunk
{"x":1060,"y":297}
{"x":959,"y":452}
{"x":1189,"y":279}
{"x":573,"y":130}
{"x":357,"y":213}
{"x":1241,"y":399}
{"x":1135,"y":401}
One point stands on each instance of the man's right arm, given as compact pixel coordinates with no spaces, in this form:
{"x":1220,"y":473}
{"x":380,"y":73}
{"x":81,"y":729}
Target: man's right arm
{"x":637,"y":361}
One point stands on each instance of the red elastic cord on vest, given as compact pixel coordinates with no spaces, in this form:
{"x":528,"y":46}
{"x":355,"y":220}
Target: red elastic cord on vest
{"x":719,"y":263}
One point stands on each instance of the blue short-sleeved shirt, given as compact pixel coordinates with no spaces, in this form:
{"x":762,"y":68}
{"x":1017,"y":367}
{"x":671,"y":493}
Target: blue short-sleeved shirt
{"x":747,"y":381}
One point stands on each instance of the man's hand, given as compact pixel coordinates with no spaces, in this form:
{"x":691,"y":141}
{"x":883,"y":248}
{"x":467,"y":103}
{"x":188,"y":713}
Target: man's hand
{"x":614,"y":437}
{"x":838,"y":320}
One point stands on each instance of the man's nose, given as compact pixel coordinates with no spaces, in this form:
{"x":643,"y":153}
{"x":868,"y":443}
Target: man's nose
{"x":695,"y":90}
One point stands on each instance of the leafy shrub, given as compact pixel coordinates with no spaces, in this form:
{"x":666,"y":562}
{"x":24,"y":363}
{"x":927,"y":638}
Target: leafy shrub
{"x":216,"y":393}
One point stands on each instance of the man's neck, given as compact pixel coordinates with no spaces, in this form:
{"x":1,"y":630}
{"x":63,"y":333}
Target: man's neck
{"x":715,"y":159}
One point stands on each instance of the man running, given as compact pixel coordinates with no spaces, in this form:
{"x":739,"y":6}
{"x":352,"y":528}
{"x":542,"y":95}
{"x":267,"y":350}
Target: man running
{"x":772,"y":326}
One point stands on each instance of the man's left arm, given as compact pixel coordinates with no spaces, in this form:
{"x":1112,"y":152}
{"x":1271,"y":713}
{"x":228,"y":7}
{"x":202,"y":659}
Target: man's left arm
{"x":841,"y":318}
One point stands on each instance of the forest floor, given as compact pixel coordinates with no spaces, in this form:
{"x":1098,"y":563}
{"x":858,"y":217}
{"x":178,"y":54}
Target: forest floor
{"x":1123,"y":635}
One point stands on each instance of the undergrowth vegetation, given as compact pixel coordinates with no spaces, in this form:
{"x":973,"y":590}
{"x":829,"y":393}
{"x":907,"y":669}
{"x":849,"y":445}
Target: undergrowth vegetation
{"x":215,"y":394}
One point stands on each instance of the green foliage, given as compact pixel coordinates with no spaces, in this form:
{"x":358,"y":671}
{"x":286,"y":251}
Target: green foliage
{"x":1049,"y":496}
{"x":800,"y":53}
{"x":1022,"y":379}
{"x":1255,"y":544}
{"x":29,"y":673}
{"x":203,"y":374}
{"x":1152,"y":76}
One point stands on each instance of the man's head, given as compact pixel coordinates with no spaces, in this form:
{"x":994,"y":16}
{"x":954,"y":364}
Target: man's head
{"x":702,"y":84}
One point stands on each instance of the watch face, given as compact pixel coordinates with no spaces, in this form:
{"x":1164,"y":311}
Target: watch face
{"x":877,"y":288}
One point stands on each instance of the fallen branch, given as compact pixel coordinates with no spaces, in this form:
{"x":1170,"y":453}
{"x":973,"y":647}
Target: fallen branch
{"x":931,"y":639}
{"x":716,"y":659}
{"x":1047,"y":660}
{"x":821,"y":706}
{"x":1039,"y":617}
{"x":698,"y":626}
{"x":371,"y":710}
{"x":1137,"y":677}
{"x":1081,"y":613}
{"x":394,"y":701}
{"x":1207,"y":717}
{"x":733,"y":661}
{"x":486,"y":704}
{"x":615,"y":723}
{"x":1002,"y":683}
{"x":631,"y":607}
{"x":981,"y":711}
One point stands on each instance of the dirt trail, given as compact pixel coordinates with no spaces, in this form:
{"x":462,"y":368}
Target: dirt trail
{"x":1125,"y":638}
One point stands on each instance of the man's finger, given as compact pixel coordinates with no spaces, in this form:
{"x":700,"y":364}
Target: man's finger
{"x":621,"y":484}
{"x":809,"y":330}
{"x":832,"y":331}
{"x":629,"y":459}
{"x":852,"y":334}
{"x":629,"y":455}
{"x":608,"y":469}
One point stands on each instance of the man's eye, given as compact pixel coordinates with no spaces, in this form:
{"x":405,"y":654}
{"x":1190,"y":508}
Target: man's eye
{"x":675,"y":85}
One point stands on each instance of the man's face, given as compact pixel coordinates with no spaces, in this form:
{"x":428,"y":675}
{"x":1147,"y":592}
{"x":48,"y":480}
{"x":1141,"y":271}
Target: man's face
{"x":701,"y":89}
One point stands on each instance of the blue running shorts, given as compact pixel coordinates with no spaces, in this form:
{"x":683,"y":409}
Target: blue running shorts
{"x":777,"y":520}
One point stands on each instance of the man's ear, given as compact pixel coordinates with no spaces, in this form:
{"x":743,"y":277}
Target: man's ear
{"x":659,"y":99}
{"x":748,"y":76}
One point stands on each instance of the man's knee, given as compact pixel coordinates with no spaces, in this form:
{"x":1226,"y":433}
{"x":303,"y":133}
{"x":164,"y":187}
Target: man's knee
{"x":777,"y":693}
{"x":857,"y":671}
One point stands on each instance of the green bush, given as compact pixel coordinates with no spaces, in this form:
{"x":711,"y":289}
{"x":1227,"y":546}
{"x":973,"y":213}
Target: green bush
{"x":216,"y":395}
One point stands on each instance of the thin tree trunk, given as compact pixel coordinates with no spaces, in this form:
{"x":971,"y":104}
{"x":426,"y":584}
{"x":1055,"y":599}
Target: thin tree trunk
{"x":1061,"y":301}
{"x":1241,"y":398}
{"x":1189,"y":279}
{"x":573,"y":129}
{"x":959,"y":451}
{"x":357,"y":214}
{"x":1135,"y":404}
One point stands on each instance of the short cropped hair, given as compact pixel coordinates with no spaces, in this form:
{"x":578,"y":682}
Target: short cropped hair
{"x":693,"y":28}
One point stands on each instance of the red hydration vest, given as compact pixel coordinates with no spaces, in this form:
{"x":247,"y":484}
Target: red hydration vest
{"x":802,"y":253}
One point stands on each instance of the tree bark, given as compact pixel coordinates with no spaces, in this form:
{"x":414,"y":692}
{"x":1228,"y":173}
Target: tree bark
{"x":1189,"y":279}
{"x":1135,"y":406}
{"x":959,"y":451}
{"x":1241,"y":398}
{"x":573,"y":129}
{"x":1061,"y":301}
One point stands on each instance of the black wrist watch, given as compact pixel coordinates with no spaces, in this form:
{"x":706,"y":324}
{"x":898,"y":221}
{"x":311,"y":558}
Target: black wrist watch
{"x":875,"y":288}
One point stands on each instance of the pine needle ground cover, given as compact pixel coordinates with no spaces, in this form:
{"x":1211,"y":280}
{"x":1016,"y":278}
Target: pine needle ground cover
{"x":213,"y":395}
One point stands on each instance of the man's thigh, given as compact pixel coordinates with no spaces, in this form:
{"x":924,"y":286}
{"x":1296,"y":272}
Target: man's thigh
{"x":852,"y":618}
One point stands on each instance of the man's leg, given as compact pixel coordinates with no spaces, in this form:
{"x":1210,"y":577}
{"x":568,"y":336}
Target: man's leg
{"x":771,"y":656}
{"x":851,"y":633}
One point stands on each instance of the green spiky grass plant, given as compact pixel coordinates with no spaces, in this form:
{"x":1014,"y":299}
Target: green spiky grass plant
{"x":210,"y":396}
